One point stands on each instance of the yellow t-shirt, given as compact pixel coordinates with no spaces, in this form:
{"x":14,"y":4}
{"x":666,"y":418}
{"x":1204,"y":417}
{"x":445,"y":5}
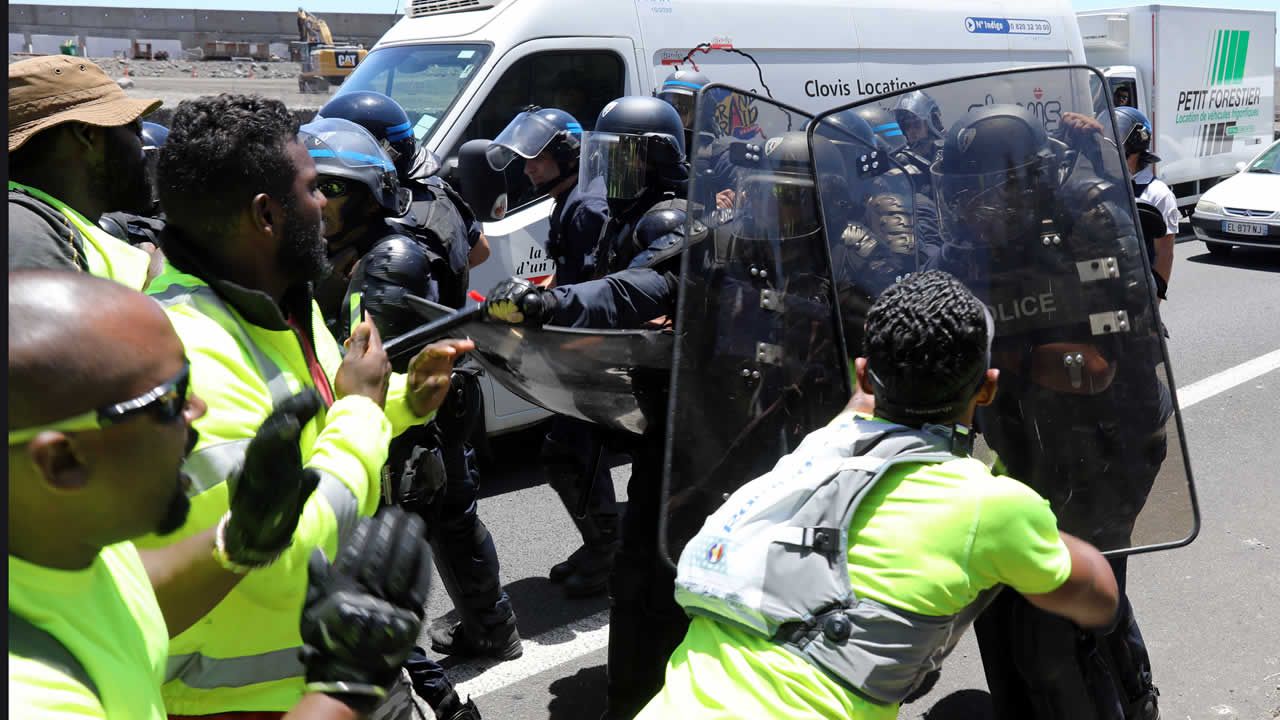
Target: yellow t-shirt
{"x":926,"y":539}
{"x":107,"y":616}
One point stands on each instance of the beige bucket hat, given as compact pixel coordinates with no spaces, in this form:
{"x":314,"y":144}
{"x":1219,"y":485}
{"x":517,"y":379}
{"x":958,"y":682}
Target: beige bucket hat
{"x":50,"y":90}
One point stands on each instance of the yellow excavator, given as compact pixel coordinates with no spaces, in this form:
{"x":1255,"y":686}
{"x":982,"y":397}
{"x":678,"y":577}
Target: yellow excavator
{"x":323,"y":62}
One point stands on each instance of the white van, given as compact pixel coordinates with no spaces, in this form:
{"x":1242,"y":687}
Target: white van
{"x":463,"y":68}
{"x":1205,"y":77}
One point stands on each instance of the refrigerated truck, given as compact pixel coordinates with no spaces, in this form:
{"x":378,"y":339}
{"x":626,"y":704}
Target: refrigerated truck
{"x":1205,"y":77}
{"x":463,"y":68}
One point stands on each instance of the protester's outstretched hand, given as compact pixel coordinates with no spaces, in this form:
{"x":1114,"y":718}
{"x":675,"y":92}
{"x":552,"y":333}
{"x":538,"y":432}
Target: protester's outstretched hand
{"x":270,"y":490}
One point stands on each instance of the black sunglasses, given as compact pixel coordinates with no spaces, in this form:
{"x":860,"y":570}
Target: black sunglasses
{"x":164,"y":403}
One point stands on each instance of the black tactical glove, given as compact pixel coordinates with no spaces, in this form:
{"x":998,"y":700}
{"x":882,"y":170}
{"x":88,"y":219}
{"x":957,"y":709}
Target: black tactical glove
{"x":519,"y":302}
{"x":363,"y":614}
{"x":269,"y":491}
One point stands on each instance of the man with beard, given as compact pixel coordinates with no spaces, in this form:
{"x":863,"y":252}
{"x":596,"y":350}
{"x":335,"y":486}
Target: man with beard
{"x":75,"y":152}
{"x":243,"y":244}
{"x":101,"y":418}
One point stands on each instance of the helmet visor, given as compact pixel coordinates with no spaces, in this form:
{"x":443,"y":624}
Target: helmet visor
{"x":991,"y":200}
{"x":776,"y":207}
{"x":684,"y":102}
{"x":620,"y":160}
{"x":526,"y":136}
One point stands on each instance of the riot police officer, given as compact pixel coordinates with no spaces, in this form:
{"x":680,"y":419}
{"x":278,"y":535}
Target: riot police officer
{"x":680,"y":90}
{"x":453,"y":240}
{"x":438,"y":215}
{"x":428,"y":470}
{"x":637,"y":151}
{"x":920,"y":118}
{"x":1134,"y":130}
{"x":547,"y":142}
{"x":1081,"y":414}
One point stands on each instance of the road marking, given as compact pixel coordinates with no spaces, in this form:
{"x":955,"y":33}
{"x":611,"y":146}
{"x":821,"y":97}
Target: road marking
{"x":569,"y":642}
{"x":548,"y":650}
{"x":1227,"y":379}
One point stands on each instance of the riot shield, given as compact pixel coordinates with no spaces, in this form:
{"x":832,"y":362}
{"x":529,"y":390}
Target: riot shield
{"x":759,"y":360}
{"x":1028,"y":202}
{"x":608,"y":377}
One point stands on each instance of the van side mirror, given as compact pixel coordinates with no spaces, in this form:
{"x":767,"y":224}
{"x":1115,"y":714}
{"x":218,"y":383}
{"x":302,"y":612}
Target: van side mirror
{"x":484,"y":188}
{"x":1240,"y":166}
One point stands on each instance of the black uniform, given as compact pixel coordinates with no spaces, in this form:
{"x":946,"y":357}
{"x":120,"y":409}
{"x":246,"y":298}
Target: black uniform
{"x":1057,"y":381}
{"x":573,"y":452}
{"x":640,"y":252}
{"x":431,"y":469}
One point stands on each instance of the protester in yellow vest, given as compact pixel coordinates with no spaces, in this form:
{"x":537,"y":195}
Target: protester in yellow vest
{"x":100,"y":418}
{"x":75,"y":152}
{"x":243,"y":244}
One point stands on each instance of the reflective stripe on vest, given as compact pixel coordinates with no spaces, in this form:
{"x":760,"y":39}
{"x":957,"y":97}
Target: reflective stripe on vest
{"x":205,"y":673}
{"x":106,"y":255}
{"x":212,"y":465}
{"x":213,"y":307}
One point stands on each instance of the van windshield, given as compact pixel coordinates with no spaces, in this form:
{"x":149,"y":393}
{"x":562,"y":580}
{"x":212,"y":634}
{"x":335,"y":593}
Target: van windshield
{"x":424,"y":79}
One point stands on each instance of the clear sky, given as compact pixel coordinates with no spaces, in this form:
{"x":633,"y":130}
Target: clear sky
{"x":394,"y":6}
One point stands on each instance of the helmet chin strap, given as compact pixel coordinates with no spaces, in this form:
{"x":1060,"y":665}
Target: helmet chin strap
{"x":559,"y":182}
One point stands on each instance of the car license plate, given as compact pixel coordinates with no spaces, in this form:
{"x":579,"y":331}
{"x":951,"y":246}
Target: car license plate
{"x":1243,"y":228}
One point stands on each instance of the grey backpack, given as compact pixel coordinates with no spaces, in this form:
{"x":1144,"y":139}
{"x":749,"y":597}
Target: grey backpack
{"x":773,"y":561}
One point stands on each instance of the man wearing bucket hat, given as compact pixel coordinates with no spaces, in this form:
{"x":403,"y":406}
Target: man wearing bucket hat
{"x":75,"y":152}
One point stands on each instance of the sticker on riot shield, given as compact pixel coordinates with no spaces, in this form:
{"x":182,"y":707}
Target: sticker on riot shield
{"x":613,"y":378}
{"x":759,"y":359}
{"x":1016,"y":184}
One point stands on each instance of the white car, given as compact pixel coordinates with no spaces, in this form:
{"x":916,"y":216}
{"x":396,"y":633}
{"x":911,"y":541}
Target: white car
{"x":1244,"y":209}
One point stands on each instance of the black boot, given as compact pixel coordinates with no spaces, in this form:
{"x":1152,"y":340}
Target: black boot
{"x":501,"y":642}
{"x":452,"y":708}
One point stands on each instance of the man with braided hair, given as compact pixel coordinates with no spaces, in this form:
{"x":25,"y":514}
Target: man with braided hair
{"x":912,"y":551}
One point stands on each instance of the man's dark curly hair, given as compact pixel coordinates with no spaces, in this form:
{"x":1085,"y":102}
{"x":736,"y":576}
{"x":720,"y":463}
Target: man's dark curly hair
{"x":927,"y":348}
{"x":222,"y":151}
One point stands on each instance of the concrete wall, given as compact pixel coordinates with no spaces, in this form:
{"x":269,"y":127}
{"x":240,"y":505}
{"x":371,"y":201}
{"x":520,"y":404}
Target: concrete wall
{"x":193,"y":28}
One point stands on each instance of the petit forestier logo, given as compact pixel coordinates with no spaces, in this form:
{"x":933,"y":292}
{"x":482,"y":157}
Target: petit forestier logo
{"x":1223,"y":99}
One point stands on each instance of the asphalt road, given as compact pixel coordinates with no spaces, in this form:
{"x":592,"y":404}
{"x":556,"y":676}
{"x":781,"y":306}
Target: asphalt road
{"x":1210,"y":612}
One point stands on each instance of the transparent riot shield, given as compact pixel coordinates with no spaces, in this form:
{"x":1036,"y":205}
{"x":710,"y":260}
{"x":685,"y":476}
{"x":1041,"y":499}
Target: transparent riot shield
{"x":1027,"y":200}
{"x":759,"y":360}
{"x":608,"y":377}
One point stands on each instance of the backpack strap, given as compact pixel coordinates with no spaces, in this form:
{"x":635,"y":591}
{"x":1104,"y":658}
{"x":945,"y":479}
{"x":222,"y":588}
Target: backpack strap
{"x":56,"y":220}
{"x":28,"y":641}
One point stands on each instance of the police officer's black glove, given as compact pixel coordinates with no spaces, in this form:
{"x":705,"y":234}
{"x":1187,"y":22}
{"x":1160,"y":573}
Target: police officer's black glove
{"x":363,"y":613}
{"x":519,"y":302}
{"x":269,"y":491}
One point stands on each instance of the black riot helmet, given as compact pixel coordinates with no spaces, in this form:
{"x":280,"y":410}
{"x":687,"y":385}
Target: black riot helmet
{"x":383,"y":118}
{"x":637,"y":147}
{"x":885,"y":125}
{"x":862,"y":153}
{"x":536,"y":130}
{"x":680,"y":90}
{"x":997,"y":172}
{"x":1134,"y":130}
{"x":342,"y":149}
{"x":920,"y":118}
